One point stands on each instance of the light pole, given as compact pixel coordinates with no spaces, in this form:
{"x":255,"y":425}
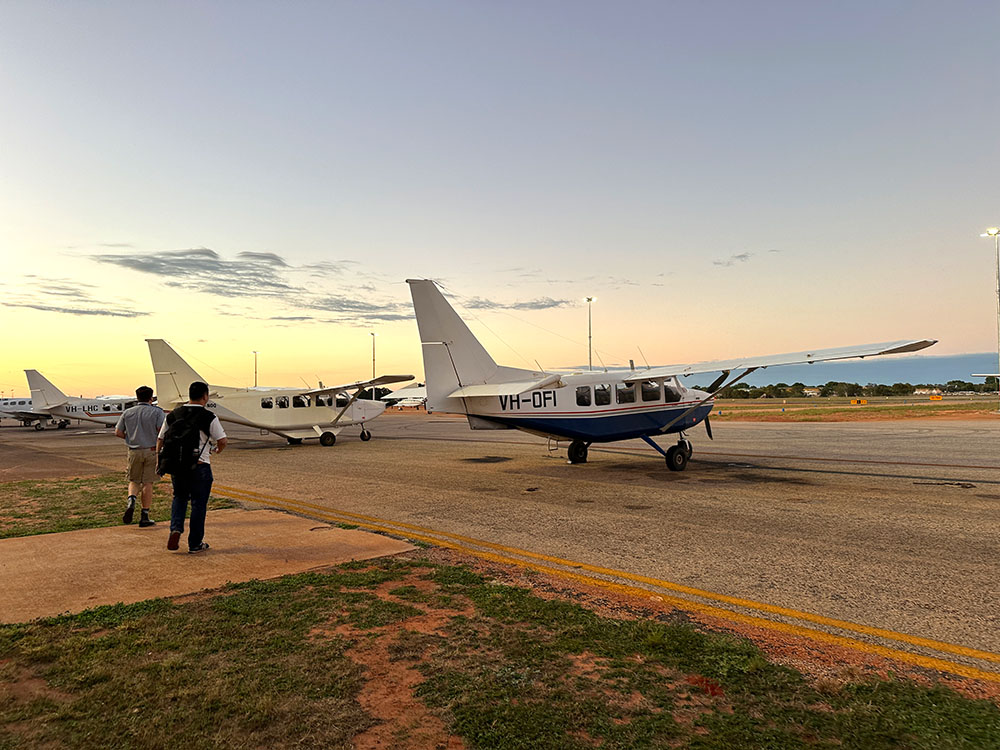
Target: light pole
{"x":590,"y":332}
{"x":373,"y":362}
{"x":255,"y":369}
{"x":994,"y":232}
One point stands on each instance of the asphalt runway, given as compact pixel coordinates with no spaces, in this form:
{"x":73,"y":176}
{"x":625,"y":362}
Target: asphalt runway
{"x":885,"y":533}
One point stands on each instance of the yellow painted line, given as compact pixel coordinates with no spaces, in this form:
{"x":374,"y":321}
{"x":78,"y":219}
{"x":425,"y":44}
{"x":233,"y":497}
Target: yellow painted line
{"x":925,"y":661}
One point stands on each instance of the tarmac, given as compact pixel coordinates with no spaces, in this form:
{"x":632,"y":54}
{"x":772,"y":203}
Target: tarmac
{"x":888,"y":530}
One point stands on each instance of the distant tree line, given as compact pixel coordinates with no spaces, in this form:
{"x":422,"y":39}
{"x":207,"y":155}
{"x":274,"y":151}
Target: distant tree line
{"x":852,"y":390}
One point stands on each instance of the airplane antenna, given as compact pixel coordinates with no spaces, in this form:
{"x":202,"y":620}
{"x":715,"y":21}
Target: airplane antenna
{"x":305,"y":381}
{"x":643,"y":357}
{"x":540,"y":368}
{"x":601,"y":360}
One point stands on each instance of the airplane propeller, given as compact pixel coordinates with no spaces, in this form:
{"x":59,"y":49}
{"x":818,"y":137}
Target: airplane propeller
{"x":708,"y":429}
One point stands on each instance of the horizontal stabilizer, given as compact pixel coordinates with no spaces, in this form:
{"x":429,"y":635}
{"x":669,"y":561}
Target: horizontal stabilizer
{"x":380,"y":380}
{"x":504,"y":389}
{"x":792,"y":358}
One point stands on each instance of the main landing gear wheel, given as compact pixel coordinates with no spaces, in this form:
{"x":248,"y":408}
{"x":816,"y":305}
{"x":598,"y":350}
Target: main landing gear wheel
{"x":365,"y":435}
{"x":327,"y":439}
{"x":295,"y":441}
{"x":677,"y":457}
{"x":39,"y":426}
{"x":577,"y":452}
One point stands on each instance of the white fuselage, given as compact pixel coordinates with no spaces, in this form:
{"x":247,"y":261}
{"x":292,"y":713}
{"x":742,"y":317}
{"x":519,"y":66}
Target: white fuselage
{"x":101,"y":409}
{"x":285,"y":411}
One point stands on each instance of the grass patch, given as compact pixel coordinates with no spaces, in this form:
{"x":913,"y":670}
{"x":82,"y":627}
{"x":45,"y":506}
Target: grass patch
{"x":49,"y":505}
{"x":282,"y":663}
{"x":769,"y":410}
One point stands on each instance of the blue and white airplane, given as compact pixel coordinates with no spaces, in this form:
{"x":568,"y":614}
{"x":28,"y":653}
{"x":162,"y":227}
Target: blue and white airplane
{"x":583,"y":407}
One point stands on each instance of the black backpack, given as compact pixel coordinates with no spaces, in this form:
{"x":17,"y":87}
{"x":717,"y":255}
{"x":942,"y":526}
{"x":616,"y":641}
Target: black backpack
{"x":182,"y":442}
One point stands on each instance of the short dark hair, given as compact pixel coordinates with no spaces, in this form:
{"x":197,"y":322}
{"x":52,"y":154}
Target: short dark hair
{"x":144,"y":393}
{"x":197,"y":390}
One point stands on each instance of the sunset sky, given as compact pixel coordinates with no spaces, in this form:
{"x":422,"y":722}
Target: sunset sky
{"x":728,"y":178}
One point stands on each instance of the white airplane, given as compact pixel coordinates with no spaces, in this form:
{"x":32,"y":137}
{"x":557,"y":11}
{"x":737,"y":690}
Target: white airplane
{"x":583,"y":407}
{"x":293,"y":413}
{"x":60,"y":408}
{"x":21,"y":410}
{"x":411,"y":395}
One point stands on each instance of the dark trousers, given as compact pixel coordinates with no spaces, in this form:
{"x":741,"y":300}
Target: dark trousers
{"x":195,"y":487}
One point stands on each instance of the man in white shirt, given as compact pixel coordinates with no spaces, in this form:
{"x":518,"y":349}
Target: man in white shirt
{"x":196,"y":485}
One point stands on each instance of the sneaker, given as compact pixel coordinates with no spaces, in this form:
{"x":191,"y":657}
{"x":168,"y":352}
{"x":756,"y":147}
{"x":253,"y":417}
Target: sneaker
{"x":174,"y":541}
{"x":200,"y":548}
{"x":129,"y":510}
{"x":145,"y":521}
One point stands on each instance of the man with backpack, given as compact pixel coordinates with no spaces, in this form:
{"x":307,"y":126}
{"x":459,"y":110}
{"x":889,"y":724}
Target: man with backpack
{"x":185,"y":447}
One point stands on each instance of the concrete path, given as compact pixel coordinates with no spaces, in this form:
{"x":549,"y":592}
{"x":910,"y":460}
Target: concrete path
{"x":51,"y":574}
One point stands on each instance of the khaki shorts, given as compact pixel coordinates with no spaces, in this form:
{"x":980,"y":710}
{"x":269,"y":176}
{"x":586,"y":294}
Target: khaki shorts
{"x":142,"y":465}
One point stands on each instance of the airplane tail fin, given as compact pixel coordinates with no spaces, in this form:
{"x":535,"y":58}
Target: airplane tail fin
{"x":453,"y":356}
{"x":44,"y":395}
{"x":173,"y":374}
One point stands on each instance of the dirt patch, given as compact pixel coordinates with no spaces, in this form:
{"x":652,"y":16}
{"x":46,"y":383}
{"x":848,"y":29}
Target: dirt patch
{"x":26,"y":687}
{"x":389,"y":691}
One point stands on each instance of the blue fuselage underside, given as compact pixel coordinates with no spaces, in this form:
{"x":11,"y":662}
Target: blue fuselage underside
{"x":606,"y":429}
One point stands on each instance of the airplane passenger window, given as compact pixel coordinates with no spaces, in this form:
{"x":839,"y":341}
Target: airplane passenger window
{"x":625,"y":393}
{"x":20,"y":403}
{"x":671,"y":393}
{"x":300,"y":401}
{"x":583,"y":395}
{"x":267,"y":403}
{"x":322,"y":400}
{"x":650,"y":391}
{"x":118,"y":407}
{"x":342,"y":399}
{"x":107,"y":407}
{"x":602,"y":394}
{"x":282,"y":402}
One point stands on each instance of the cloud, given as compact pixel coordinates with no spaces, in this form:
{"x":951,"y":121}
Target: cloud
{"x":540,"y":303}
{"x":203,"y":270}
{"x":732,"y":260}
{"x":66,"y":297}
{"x":271,"y":259}
{"x":78,"y":310}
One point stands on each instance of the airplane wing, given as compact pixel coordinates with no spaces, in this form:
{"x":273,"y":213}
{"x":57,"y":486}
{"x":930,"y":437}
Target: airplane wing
{"x":380,"y":380}
{"x":410,"y":391}
{"x":791,"y":358}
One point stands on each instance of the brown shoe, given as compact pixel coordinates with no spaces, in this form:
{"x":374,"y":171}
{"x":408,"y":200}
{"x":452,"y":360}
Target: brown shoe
{"x":174,"y":541}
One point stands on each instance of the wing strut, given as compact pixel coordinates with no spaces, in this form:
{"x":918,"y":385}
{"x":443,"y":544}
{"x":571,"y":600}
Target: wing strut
{"x":716,"y":387}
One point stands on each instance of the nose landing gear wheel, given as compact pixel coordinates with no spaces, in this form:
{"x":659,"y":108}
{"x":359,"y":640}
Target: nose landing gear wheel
{"x":365,"y":435}
{"x":677,"y":457}
{"x":63,"y":424}
{"x":327,"y":439}
{"x":577,"y":452}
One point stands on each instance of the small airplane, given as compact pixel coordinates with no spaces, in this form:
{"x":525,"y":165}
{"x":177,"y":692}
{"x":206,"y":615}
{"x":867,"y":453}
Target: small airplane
{"x":21,"y":410}
{"x":411,"y":395}
{"x":292,"y":413}
{"x":583,"y":407}
{"x":60,"y":408}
